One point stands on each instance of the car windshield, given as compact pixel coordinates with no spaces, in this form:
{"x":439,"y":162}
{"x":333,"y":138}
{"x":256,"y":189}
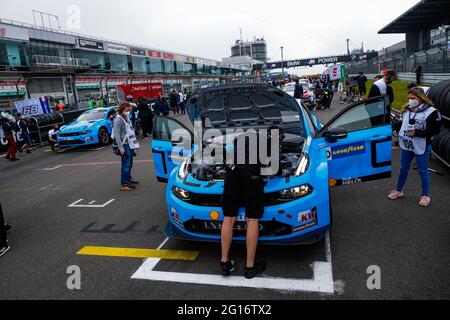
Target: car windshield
{"x":92,"y":116}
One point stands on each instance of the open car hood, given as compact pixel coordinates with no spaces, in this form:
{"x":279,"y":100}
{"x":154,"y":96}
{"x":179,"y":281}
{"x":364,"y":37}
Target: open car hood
{"x":243,"y":106}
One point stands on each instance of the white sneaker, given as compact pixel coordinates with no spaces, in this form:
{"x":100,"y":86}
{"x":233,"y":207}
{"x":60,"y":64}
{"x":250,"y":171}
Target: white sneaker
{"x":4,"y":250}
{"x":394,"y":195}
{"x":425,"y":202}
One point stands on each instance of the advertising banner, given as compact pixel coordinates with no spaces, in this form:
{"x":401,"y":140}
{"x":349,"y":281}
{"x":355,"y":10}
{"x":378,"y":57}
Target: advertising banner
{"x":336,"y":72}
{"x":168,"y":56}
{"x":9,"y":88}
{"x":15,"y":33}
{"x":154,"y":54}
{"x":116,"y":48}
{"x":87,"y":83}
{"x":137,"y":51}
{"x":90,"y":44}
{"x":315,"y":61}
{"x":33,"y":107}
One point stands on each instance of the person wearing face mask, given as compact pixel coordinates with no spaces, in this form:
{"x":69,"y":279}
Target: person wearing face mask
{"x":125,"y":142}
{"x":421,"y":122}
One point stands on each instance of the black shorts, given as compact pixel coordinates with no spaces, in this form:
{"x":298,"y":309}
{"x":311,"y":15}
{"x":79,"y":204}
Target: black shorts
{"x":243,"y":189}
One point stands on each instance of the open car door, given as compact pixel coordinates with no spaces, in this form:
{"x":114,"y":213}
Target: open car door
{"x":165,"y":132}
{"x":358,"y":142}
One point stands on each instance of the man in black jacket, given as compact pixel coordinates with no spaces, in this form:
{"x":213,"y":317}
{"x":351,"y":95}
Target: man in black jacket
{"x":298,"y":93}
{"x":145,"y":115}
{"x":174,"y":99}
{"x":418,"y":70}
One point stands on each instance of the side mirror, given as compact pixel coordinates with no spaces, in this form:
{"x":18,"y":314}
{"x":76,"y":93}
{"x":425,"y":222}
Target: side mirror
{"x":335,"y":134}
{"x":176,"y":142}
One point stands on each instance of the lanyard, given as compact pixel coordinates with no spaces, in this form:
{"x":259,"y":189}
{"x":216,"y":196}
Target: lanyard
{"x":416,"y":113}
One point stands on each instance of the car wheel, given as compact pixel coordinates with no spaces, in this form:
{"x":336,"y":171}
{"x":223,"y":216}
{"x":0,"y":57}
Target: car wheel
{"x":103,"y":137}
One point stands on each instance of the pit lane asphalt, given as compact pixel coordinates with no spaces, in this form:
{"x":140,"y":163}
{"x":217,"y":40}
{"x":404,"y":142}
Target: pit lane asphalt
{"x":408,"y":243}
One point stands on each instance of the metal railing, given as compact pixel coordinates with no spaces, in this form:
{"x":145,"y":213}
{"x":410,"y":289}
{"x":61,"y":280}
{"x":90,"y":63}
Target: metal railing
{"x":60,"y":61}
{"x":435,"y":60}
{"x":427,"y":78}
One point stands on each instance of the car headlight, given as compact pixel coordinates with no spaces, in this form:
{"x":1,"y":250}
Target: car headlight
{"x":303,"y":165}
{"x":181,"y":194}
{"x":295,"y":193}
{"x":82,"y":133}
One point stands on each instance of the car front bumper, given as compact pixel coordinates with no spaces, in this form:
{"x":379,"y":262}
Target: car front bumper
{"x":281,"y":224}
{"x":78,"y":141}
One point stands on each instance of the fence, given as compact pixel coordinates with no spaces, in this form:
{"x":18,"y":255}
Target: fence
{"x":427,"y":78}
{"x":435,"y":60}
{"x":60,"y":61}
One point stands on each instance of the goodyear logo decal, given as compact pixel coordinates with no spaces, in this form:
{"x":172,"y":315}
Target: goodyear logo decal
{"x":348,"y":150}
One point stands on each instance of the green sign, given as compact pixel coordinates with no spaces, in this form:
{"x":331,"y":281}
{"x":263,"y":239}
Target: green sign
{"x":12,"y":94}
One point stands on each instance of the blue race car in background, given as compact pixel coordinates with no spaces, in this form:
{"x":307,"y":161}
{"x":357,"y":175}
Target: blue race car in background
{"x":91,"y":128}
{"x":354,"y":147}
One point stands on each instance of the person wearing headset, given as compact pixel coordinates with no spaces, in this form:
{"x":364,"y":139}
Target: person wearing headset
{"x":421,"y":122}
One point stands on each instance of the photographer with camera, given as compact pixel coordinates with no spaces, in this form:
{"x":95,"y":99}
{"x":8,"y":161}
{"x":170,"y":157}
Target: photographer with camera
{"x":421,"y":122}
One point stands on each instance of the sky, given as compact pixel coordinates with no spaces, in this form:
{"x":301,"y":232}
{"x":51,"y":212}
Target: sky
{"x":208,"y":28}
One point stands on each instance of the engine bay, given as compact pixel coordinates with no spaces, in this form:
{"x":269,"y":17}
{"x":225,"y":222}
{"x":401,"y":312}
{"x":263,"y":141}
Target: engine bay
{"x":215,"y":169}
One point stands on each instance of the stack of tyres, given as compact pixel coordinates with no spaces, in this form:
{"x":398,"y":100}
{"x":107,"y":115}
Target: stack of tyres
{"x":46,"y":120}
{"x":440,"y":95}
{"x":41,"y":124}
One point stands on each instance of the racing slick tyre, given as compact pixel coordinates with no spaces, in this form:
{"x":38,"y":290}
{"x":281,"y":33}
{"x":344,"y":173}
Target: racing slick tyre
{"x":447,"y":105}
{"x":435,"y":90}
{"x":437,"y":139}
{"x":439,"y":97}
{"x":448,"y":153}
{"x":443,"y":102}
{"x":444,"y":146}
{"x":103,"y":137}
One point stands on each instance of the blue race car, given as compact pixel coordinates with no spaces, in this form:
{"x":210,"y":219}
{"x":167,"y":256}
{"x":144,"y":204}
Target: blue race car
{"x":354,"y":147}
{"x":91,"y":128}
